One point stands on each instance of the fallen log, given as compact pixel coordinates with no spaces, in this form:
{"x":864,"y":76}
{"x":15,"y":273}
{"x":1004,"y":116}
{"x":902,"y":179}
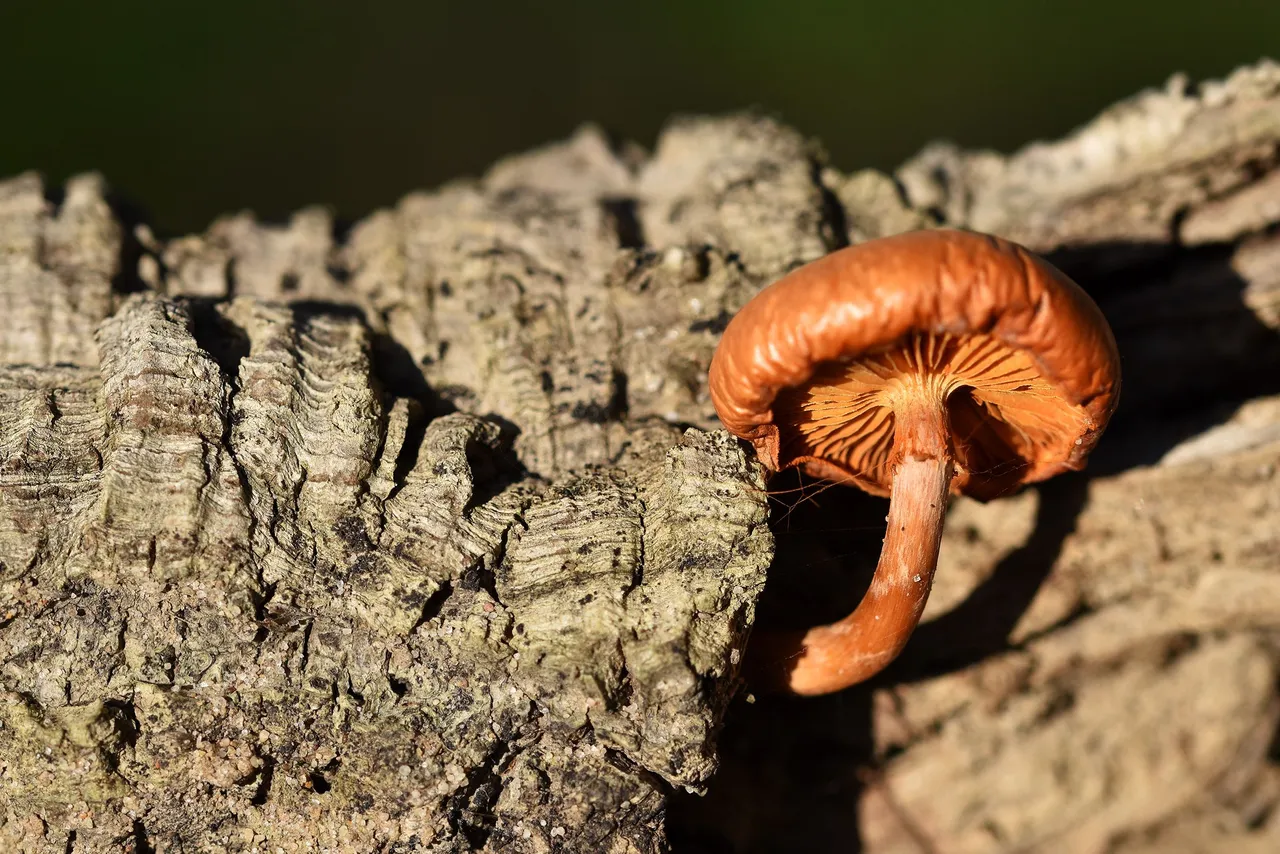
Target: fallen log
{"x":421,"y":534}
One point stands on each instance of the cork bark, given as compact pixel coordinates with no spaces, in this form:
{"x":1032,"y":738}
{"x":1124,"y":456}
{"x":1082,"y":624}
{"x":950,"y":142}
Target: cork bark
{"x":421,"y":535}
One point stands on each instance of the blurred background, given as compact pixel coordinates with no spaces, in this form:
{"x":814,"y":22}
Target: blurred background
{"x":195,"y":109}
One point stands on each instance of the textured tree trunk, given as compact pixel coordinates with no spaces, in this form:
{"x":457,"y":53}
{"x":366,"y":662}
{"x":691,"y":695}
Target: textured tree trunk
{"x":421,"y":535}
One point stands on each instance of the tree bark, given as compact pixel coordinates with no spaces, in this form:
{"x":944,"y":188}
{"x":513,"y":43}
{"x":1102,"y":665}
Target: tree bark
{"x":421,"y":535}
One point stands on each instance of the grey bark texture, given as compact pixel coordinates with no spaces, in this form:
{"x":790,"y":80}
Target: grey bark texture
{"x":421,"y":535}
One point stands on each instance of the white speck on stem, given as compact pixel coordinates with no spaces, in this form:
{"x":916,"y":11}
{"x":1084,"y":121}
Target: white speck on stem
{"x":916,"y":579}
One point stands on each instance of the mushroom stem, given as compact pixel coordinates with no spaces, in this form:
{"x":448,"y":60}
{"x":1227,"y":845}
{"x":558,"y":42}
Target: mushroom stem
{"x":830,"y":658}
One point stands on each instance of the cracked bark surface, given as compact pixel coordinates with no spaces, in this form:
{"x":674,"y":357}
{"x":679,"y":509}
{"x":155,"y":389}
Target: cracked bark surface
{"x":421,"y":535}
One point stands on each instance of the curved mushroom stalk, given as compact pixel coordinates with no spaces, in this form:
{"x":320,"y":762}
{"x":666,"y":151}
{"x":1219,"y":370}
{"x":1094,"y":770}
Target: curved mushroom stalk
{"x":833,"y":657}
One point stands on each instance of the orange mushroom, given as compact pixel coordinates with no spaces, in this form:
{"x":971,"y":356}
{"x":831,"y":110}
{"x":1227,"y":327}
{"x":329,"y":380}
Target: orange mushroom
{"x":912,"y":366}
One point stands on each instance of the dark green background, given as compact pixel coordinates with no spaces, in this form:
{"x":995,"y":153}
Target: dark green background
{"x":199,"y":108}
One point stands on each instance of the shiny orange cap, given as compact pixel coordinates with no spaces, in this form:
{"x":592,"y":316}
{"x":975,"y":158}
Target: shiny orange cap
{"x":875,"y":296}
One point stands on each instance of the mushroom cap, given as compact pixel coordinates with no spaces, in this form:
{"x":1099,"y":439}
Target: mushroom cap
{"x":962,"y":294}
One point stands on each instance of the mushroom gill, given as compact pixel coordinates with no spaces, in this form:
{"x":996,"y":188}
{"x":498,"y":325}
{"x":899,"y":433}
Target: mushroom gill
{"x":997,"y":411}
